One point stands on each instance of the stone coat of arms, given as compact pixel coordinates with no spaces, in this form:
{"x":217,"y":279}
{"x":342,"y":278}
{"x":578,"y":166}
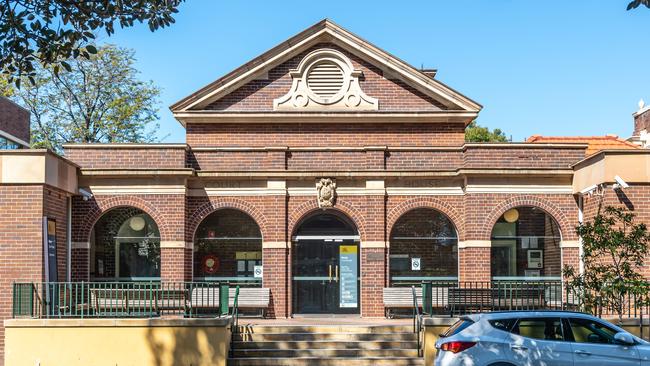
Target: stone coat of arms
{"x":326,"y":189}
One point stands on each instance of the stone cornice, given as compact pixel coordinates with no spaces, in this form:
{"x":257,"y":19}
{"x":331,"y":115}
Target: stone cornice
{"x":126,"y":146}
{"x":448,"y":116}
{"x":383,"y":173}
{"x":136,"y":172}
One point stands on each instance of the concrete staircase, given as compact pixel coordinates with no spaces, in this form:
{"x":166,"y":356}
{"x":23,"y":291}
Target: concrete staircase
{"x":324,"y":345}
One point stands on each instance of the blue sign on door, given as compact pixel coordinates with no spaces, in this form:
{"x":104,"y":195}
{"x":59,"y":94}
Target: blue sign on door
{"x":348,"y":291}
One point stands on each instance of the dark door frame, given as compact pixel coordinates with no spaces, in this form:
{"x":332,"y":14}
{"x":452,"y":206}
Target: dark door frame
{"x":338,"y":240}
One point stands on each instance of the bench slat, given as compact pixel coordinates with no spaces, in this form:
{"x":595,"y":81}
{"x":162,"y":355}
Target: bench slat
{"x":257,"y":297}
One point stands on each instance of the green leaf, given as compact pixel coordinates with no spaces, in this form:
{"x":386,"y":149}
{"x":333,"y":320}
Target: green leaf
{"x":66,"y":66}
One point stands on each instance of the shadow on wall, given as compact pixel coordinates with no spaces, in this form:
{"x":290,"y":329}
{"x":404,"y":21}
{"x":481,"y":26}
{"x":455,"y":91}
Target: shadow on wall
{"x":622,"y":198}
{"x":189,"y":346}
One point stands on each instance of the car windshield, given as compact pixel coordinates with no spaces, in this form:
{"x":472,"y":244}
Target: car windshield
{"x":458,"y":327}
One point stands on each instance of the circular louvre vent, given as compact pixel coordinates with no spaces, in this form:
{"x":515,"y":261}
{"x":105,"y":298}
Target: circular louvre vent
{"x":325,"y":79}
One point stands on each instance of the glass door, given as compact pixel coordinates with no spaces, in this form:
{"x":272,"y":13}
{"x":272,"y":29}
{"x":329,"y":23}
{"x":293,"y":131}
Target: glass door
{"x":325,"y":277}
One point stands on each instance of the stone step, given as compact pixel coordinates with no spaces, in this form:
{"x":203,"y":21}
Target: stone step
{"x":323,"y":329}
{"x":284,"y":337}
{"x":378,"y":344}
{"x":327,"y":361}
{"x":322,"y":353}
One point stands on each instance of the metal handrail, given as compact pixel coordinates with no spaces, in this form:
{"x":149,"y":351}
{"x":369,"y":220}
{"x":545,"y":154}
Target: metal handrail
{"x":235,"y":319}
{"x":417,"y":320}
{"x":235,"y":307}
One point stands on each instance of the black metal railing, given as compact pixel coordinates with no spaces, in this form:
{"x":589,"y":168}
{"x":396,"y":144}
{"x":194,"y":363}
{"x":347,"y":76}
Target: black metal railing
{"x":121,"y":299}
{"x":464,"y":297}
{"x":417,"y":320}
{"x":234,"y":325}
{"x":456,"y":298}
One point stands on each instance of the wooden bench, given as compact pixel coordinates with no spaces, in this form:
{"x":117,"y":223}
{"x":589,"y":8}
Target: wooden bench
{"x":207,"y":298}
{"x":400,"y":298}
{"x":138,"y":301}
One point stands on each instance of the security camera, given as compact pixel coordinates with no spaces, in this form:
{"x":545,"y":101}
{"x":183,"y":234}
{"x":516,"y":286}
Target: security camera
{"x":589,"y":189}
{"x":86,"y":195}
{"x":620,"y":183}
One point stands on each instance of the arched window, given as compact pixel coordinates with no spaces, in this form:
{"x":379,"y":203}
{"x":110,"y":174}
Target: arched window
{"x":526,"y":244}
{"x":326,"y":223}
{"x":125,"y":245}
{"x":423,"y":246}
{"x":228,"y":247}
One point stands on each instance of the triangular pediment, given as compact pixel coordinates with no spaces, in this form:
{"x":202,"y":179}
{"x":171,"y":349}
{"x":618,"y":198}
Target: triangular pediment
{"x":326,"y":69}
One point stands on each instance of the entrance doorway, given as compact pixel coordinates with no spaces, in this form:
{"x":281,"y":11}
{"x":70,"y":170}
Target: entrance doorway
{"x":326,"y":265}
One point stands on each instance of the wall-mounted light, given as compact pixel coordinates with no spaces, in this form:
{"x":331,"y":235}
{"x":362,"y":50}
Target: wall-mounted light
{"x":512,"y":215}
{"x":136,"y":223}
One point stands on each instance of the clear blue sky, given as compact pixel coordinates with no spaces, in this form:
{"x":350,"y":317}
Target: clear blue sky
{"x":552,"y":67}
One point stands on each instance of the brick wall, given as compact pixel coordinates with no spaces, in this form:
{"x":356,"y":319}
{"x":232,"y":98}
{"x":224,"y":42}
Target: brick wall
{"x":14,"y":120}
{"x":237,"y":160}
{"x":641,"y":122}
{"x":21,"y":239}
{"x":485,"y":156}
{"x":167,"y":211}
{"x":269,"y":212}
{"x":258,"y":95}
{"x":329,"y":134}
{"x":348,"y":157}
{"x":55,"y":206}
{"x":110,"y":157}
{"x":472,"y":217}
{"x":483,"y":211}
{"x":635,"y":198}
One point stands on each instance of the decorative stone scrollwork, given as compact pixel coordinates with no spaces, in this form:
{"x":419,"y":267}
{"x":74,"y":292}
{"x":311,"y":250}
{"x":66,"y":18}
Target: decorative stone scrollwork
{"x":325,"y":80}
{"x":326,"y":192}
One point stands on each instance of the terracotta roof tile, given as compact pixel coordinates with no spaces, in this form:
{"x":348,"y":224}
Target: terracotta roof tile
{"x":596,"y":143}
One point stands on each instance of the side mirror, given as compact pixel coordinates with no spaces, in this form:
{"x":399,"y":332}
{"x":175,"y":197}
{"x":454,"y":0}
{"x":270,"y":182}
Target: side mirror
{"x":624,"y":338}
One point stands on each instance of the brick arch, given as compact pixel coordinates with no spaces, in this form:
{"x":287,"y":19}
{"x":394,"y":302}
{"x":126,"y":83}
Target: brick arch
{"x":219,"y":203}
{"x":102,"y":206}
{"x":549,"y":207}
{"x":308,"y":207}
{"x":426,"y":202}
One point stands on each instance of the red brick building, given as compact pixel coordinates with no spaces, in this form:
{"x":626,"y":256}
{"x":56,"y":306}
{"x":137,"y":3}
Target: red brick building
{"x":14,"y":125}
{"x":327,"y":107}
{"x":324,"y":170}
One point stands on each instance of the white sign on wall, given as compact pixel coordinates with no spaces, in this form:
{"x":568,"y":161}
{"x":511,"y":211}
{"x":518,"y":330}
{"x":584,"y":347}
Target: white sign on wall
{"x":415,"y":264}
{"x":258,"y":271}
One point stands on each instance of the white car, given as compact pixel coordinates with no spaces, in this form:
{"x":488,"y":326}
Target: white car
{"x":544,"y":338}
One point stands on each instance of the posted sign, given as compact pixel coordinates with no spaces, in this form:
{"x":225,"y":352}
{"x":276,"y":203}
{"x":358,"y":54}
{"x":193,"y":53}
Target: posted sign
{"x":49,"y":244}
{"x":51,"y":268}
{"x":415,"y":264}
{"x":348,"y":291}
{"x":258,"y":272}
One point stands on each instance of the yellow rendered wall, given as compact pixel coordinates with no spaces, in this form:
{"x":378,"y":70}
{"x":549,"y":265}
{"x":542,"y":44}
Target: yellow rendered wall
{"x":429,"y":345}
{"x":117,"y":346}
